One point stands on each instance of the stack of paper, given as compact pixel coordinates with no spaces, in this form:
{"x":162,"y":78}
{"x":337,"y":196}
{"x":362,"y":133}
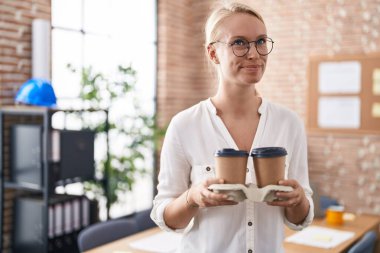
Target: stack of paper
{"x":162,"y":242}
{"x":320,"y":237}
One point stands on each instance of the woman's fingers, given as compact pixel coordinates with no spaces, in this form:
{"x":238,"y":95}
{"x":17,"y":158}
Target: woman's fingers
{"x":211,"y":181}
{"x":212,"y":195}
{"x":288,"y":199}
{"x":207,"y":198}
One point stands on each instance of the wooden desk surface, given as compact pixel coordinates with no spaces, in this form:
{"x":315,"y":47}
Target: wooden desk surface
{"x":359,"y":225}
{"x":122,"y":245}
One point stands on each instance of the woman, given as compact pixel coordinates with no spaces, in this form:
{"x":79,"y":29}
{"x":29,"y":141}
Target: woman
{"x":236,"y":117}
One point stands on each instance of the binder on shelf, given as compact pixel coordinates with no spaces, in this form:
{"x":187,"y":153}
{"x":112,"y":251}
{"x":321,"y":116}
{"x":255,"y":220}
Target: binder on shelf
{"x":85,"y":212}
{"x":51,"y":222}
{"x":71,"y":155}
{"x":58,"y":219}
{"x":26,"y":155}
{"x":28,"y":233}
{"x":76,"y":214}
{"x":55,"y":153}
{"x":77,"y":154}
{"x":68,"y":217}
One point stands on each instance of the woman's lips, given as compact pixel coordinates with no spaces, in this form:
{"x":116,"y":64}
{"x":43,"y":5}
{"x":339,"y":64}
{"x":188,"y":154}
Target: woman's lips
{"x":252,"y":67}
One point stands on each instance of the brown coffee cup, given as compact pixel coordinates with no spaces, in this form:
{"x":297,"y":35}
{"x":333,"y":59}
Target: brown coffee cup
{"x":231,"y":165}
{"x":269,"y":164}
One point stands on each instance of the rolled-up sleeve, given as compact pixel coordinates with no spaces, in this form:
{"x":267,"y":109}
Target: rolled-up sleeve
{"x":173,"y":178}
{"x":308,"y":220}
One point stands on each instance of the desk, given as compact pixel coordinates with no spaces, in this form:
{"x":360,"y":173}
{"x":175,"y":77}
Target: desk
{"x":359,"y":225}
{"x":122,"y":245}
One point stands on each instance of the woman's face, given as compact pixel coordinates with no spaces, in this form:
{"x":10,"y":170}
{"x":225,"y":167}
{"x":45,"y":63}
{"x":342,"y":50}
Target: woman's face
{"x":243,"y":70}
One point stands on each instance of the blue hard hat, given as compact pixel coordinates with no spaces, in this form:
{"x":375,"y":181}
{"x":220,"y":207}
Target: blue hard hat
{"x":36,"y":91}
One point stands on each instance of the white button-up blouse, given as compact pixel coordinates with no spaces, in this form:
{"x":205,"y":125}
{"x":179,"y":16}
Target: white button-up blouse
{"x":187,"y":158}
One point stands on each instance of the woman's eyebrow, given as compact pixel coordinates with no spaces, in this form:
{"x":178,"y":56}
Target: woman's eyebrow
{"x":244,"y":37}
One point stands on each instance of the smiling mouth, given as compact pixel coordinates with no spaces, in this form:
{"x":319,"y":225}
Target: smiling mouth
{"x":252,"y":66}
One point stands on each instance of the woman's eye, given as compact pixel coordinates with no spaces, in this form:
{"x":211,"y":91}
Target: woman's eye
{"x":239,"y":42}
{"x":261,"y":42}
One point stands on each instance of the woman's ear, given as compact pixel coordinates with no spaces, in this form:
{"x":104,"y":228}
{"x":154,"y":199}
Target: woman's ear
{"x":212,"y":54}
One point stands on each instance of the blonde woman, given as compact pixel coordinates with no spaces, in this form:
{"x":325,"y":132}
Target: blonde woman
{"x":235,"y":117}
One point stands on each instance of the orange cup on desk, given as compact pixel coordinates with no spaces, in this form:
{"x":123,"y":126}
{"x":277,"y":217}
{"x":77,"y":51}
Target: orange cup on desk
{"x":334,"y":215}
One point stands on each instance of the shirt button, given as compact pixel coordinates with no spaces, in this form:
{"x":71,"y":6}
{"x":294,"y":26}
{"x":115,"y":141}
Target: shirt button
{"x":249,"y":223}
{"x":250,"y":251}
{"x":208,"y":168}
{"x":247,"y":170}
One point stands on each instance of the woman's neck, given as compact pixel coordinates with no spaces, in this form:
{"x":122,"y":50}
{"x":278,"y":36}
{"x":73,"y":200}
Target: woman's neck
{"x":239,"y":102}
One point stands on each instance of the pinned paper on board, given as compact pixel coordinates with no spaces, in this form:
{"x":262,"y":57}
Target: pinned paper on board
{"x":376,"y":110}
{"x":339,"y":112}
{"x":376,"y":82}
{"x":344,"y":94}
{"x":339,"y":77}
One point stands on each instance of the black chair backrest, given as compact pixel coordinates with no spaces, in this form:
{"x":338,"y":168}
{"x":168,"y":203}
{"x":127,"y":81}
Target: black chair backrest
{"x":366,"y":244}
{"x":105,"y":232}
{"x":143,"y":220}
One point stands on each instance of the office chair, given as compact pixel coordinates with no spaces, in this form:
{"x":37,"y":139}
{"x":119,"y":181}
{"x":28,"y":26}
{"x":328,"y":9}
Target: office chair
{"x":366,"y":244}
{"x":143,"y":220}
{"x":105,"y":232}
{"x":326,"y":202}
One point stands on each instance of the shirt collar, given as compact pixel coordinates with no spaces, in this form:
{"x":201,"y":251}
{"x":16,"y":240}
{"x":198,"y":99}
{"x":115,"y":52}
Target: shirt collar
{"x":212,"y":108}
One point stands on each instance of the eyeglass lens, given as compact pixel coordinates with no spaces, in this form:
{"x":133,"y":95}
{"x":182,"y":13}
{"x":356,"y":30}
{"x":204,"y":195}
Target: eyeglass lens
{"x":241,"y":47}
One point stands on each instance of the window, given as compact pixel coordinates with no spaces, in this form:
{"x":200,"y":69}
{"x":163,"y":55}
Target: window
{"x":105,"y":34}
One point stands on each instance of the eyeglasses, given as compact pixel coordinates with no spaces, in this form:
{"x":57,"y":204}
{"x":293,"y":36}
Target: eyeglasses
{"x":240,"y":47}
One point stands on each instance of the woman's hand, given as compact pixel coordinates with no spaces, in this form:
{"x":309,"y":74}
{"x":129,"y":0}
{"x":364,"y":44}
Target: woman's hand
{"x":200,"y":195}
{"x":289,"y":199}
{"x":295,"y":202}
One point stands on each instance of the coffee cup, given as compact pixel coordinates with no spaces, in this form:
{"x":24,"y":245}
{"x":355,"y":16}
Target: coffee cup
{"x":231,"y":165}
{"x":269,"y":164}
{"x":334,"y":215}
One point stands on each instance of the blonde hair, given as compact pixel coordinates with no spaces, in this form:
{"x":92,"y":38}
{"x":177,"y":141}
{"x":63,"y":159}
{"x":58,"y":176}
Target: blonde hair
{"x":221,"y":12}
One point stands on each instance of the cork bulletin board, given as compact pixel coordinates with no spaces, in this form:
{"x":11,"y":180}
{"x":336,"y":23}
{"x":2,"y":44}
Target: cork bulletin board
{"x":344,"y":94}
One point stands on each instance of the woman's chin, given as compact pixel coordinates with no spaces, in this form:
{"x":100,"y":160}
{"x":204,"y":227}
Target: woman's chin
{"x":251,"y":80}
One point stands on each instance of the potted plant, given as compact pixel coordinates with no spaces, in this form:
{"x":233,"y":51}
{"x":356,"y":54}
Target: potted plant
{"x":131,"y":137}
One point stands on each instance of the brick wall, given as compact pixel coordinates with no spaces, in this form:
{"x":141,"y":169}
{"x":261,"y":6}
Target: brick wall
{"x":346,"y":167}
{"x":15,"y":43}
{"x":183,"y":77}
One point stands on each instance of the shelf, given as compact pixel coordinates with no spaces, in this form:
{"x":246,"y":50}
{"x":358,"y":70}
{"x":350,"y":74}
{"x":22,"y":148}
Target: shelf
{"x":39,"y":110}
{"x":23,"y":186}
{"x":29,"y":193}
{"x":27,"y":110}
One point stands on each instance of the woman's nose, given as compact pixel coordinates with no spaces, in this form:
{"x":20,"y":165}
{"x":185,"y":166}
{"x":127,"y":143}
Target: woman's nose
{"x":252,"y":52}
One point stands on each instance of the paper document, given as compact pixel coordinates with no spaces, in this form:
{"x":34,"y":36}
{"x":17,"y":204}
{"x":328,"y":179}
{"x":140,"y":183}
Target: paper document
{"x":376,"y":82}
{"x":339,"y":112}
{"x":339,"y":77}
{"x":320,"y":237}
{"x":162,"y":242}
{"x":376,"y":110}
